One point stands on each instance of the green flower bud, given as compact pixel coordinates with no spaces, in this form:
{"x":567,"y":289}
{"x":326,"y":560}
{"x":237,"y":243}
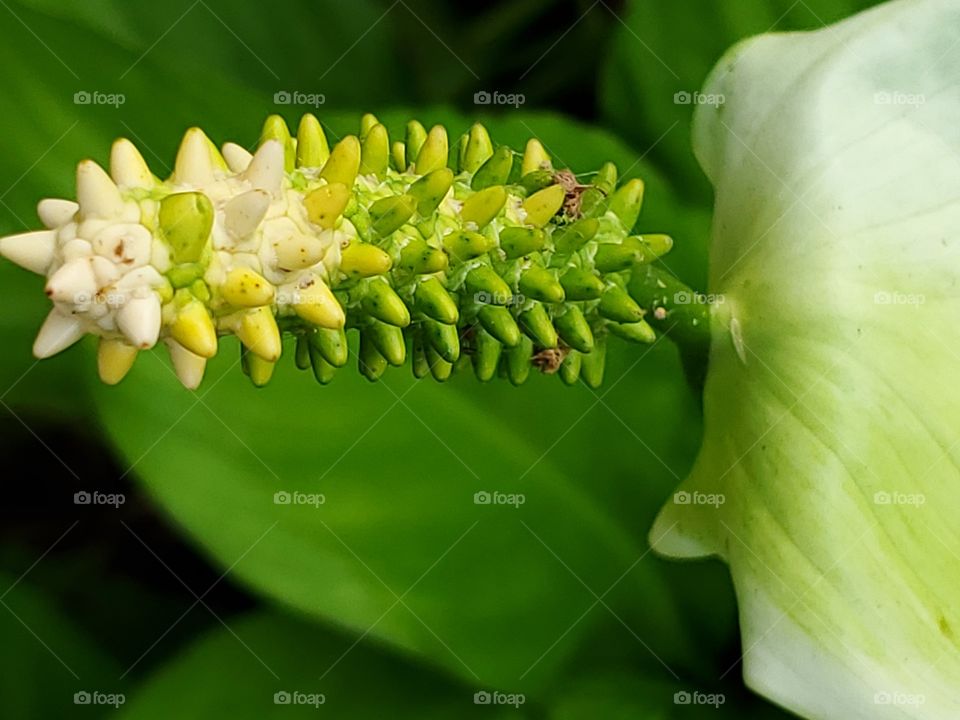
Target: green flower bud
{"x":519,"y":241}
{"x":312,"y":148}
{"x":477,"y":149}
{"x":388,"y":340}
{"x":482,"y":207}
{"x":430,"y":190}
{"x":389,"y":213}
{"x":344,"y":162}
{"x":495,"y":171}
{"x":371,"y":363}
{"x":518,"y":361}
{"x":331,"y":344}
{"x":433,"y":152}
{"x":574,"y":329}
{"x":433,"y":300}
{"x":415,"y":137}
{"x":536,"y":323}
{"x":593,"y":363}
{"x":581,"y":284}
{"x":443,"y":338}
{"x":375,"y":152}
{"x":185,"y":221}
{"x":500,"y":324}
{"x":570,"y":367}
{"x":486,"y":354}
{"x":541,"y":284}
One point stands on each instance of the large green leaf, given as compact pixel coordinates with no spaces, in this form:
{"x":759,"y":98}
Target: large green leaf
{"x":313,"y":47}
{"x":266,"y":658}
{"x":399,"y":548}
{"x":660,"y":58}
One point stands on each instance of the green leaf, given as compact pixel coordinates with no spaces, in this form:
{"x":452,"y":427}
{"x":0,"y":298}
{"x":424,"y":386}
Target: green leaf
{"x":44,"y":658}
{"x":199,"y":47}
{"x":483,"y":590}
{"x":622,"y":694}
{"x":265,"y":658}
{"x":660,"y":58}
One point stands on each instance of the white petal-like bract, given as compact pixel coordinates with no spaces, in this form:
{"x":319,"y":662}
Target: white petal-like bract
{"x":829,"y":476}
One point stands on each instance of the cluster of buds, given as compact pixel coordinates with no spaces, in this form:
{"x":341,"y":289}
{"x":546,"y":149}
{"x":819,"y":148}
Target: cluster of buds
{"x":473,"y":254}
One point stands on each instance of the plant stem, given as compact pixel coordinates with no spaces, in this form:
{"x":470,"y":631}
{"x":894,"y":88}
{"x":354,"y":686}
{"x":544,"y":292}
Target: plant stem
{"x":677,"y":311}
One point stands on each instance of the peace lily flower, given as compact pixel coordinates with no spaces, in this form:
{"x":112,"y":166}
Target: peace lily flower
{"x":830,"y":467}
{"x":829,"y":476}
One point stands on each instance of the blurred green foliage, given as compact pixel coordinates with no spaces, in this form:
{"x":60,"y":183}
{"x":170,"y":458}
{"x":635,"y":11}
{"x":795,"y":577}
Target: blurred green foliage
{"x":398,"y":596}
{"x":665,"y":51}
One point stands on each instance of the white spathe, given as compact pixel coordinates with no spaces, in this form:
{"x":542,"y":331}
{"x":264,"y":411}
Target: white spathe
{"x":829,"y":477}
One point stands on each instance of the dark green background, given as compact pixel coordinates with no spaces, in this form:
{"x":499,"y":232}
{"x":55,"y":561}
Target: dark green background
{"x":399,"y":597}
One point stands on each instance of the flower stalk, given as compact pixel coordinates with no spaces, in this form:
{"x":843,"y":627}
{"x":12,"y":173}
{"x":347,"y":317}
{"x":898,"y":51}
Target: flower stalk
{"x":464,"y":254}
